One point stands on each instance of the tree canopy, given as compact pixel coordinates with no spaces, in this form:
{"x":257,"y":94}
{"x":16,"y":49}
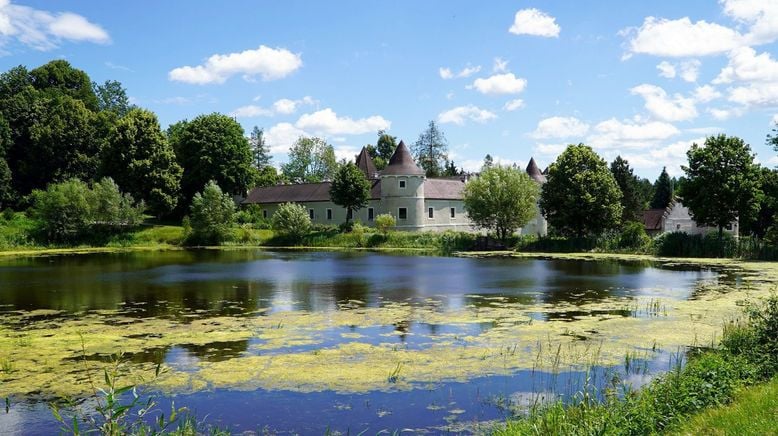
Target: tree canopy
{"x":581,"y":197}
{"x":350,"y":189}
{"x":664,"y":190}
{"x":431,"y":150}
{"x":722,"y":182}
{"x":259,"y":149}
{"x":211,"y":215}
{"x":632,"y":202}
{"x":502,"y":199}
{"x":311,"y":160}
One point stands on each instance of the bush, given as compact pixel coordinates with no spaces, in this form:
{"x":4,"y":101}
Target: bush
{"x":114,"y":209}
{"x":292,"y":221}
{"x":384,"y":223}
{"x":251,"y":214}
{"x":211,"y":216}
{"x":8,"y":214}
{"x":634,"y":236}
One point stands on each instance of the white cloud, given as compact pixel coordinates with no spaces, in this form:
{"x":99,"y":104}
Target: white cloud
{"x":251,"y":111}
{"x":725,"y":114}
{"x":663,"y":107}
{"x":760,"y":15}
{"x":500,"y":65}
{"x":560,"y":127}
{"x":326,"y":121}
{"x":460,"y":115}
{"x":286,"y":106}
{"x":446,"y":73}
{"x":755,"y":94}
{"x":534,"y":22}
{"x":615,"y":134}
{"x":690,"y":70}
{"x":681,"y":38}
{"x":666,"y":69}
{"x":44,"y":30}
{"x":706,"y":93}
{"x":550,"y":150}
{"x":514,"y":105}
{"x":506,"y":83}
{"x":653,"y":159}
{"x":281,"y":136}
{"x":774,"y":120}
{"x":282,"y":106}
{"x":745,"y":66}
{"x":268,"y":63}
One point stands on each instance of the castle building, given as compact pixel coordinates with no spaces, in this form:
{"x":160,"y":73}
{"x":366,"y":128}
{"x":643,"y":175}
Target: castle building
{"x":402,"y":190}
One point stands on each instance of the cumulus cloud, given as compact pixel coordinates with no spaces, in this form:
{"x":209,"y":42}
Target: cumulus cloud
{"x":268,"y":63}
{"x":282,"y":106}
{"x":666,"y":69}
{"x":612,"y":133}
{"x":326,"y":121}
{"x":560,"y":127}
{"x":251,"y":111}
{"x":281,"y":136}
{"x":286,"y":106}
{"x":706,"y":93}
{"x":664,"y":107}
{"x":44,"y":30}
{"x":689,"y":70}
{"x":671,"y":155}
{"x":446,"y":73}
{"x":681,"y":38}
{"x":506,"y":83}
{"x":513,"y":105}
{"x":761,"y":17}
{"x":460,"y":115}
{"x":745,"y":66}
{"x":534,"y":22}
{"x":725,"y":114}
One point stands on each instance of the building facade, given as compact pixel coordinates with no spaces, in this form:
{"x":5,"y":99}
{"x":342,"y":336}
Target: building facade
{"x":402,"y":190}
{"x":676,"y":218}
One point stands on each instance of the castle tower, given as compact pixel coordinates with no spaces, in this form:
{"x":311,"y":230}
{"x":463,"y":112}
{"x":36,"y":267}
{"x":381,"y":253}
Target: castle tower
{"x":402,"y":190}
{"x":537,"y":225}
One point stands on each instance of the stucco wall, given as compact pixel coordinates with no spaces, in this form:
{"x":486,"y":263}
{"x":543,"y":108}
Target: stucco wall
{"x":679,"y":220}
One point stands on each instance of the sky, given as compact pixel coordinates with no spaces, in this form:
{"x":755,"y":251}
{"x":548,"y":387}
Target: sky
{"x":514,"y":79}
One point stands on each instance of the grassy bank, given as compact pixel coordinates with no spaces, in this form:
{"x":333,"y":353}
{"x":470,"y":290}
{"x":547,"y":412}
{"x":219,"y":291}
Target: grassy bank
{"x":747,"y":356}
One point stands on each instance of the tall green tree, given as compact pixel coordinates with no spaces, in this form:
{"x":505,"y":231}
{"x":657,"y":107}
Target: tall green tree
{"x":631,"y":199}
{"x":6,"y":191}
{"x":664,"y":190}
{"x":431,"y":150}
{"x":502,"y":199}
{"x":111,"y":96}
{"x":211,"y":147}
{"x":722,"y":182}
{"x":581,"y":197}
{"x":58,"y":77}
{"x":311,"y":160}
{"x":384,"y":149}
{"x":350,"y":189}
{"x":772,"y":139}
{"x":758,"y":224}
{"x":451,"y":170}
{"x":488,"y":162}
{"x":212,"y":214}
{"x":259,"y":149}
{"x":142,"y":162}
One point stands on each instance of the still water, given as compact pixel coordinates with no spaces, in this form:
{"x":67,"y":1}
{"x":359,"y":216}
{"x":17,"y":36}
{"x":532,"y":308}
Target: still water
{"x":306,"y":342}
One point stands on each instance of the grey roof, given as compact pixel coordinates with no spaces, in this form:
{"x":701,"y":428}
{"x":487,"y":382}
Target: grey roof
{"x":299,"y":193}
{"x":366,"y":165}
{"x":443,"y":189}
{"x":401,"y":163}
{"x":534,"y":171}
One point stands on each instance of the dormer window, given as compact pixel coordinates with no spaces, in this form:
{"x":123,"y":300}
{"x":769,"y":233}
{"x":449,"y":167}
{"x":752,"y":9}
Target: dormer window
{"x":402,"y":184}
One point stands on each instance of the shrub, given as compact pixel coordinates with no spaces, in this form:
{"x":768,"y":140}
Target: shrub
{"x":8,"y":214}
{"x":634,"y":236}
{"x":211,"y":215}
{"x":64,"y":210}
{"x":292,"y":220}
{"x":251,"y":214}
{"x":384,"y":223}
{"x":112,"y":208}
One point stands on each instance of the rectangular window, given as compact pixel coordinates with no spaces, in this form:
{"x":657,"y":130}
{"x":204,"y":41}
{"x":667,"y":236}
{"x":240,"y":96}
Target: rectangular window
{"x":402,"y":184}
{"x":264,"y":213}
{"x":430,"y":213}
{"x":329,"y":214}
{"x":453,"y":212}
{"x":402,"y":213}
{"x":370,"y":214}
{"x":310,"y":213}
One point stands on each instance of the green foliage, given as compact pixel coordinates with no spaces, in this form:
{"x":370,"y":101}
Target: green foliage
{"x":581,"y":196}
{"x":384,"y":223}
{"x":6,"y":190}
{"x":632,"y":202}
{"x":112,"y":97}
{"x":260,"y":151}
{"x":292,"y":221}
{"x":722,"y":182}
{"x":112,"y":208}
{"x":431,"y":150}
{"x":384,"y":149}
{"x":142,"y":162}
{"x":501,"y":200}
{"x":634,"y":236}
{"x":757,"y":338}
{"x":211,"y":216}
{"x":311,"y":160}
{"x":59,"y":78}
{"x":211,"y":147}
{"x":758,"y":224}
{"x":267,"y":176}
{"x":663,"y":191}
{"x":350,"y":189}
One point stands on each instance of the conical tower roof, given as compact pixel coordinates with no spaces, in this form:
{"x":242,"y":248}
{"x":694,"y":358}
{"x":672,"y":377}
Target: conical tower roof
{"x":534,"y":172}
{"x":402,"y":164}
{"x":365,"y":164}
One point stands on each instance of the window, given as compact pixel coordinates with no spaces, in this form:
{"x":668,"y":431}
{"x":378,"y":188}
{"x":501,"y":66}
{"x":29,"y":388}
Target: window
{"x":310,"y":213}
{"x":677,"y":227}
{"x":453,"y":212}
{"x":329,"y":214}
{"x":430,"y":213}
{"x":402,"y":184}
{"x":370,"y":214}
{"x":264,"y":213}
{"x":402,"y":213}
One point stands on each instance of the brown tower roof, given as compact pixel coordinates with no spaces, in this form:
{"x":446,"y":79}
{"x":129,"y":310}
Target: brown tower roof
{"x":534,"y":172}
{"x":402,"y":164}
{"x":366,"y":165}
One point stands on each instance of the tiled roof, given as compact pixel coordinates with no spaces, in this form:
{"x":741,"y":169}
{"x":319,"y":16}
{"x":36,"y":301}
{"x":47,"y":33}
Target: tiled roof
{"x":652,"y":219}
{"x":443,"y":189}
{"x":401,"y":163}
{"x":366,"y":165}
{"x":300,"y":193}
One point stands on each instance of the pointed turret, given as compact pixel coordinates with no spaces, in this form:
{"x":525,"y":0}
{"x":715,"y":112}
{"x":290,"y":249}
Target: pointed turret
{"x":534,"y":172}
{"x":401,"y":163}
{"x":365,"y":164}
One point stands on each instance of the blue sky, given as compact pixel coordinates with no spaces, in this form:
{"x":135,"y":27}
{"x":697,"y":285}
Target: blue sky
{"x":513,"y":78}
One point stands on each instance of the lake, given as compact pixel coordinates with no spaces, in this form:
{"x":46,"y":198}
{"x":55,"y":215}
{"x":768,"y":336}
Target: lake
{"x":310,"y":342}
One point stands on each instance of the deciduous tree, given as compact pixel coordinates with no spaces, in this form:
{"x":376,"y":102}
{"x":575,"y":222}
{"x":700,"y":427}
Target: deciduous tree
{"x":350,"y":189}
{"x":311,"y":160}
{"x":211,"y":215}
{"x":111,"y":96}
